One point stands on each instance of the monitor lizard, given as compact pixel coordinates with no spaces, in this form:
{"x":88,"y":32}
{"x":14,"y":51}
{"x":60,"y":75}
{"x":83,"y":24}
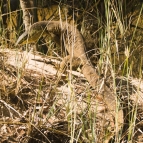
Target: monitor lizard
{"x":62,"y":32}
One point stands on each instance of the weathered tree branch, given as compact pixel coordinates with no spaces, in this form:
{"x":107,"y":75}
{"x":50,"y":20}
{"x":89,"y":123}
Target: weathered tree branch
{"x":29,"y":16}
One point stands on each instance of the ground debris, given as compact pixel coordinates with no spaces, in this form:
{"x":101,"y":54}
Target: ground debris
{"x":34,"y":109}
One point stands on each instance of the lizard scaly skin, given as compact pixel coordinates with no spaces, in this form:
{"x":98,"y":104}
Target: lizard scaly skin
{"x":62,"y":32}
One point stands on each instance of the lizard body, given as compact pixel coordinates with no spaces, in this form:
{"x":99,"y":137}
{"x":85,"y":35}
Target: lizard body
{"x":74,"y":44}
{"x":72,"y":40}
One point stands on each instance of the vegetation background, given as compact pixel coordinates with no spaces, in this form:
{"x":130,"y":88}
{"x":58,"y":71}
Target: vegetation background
{"x":32,"y":112}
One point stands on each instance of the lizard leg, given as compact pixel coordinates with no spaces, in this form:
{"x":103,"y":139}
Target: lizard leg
{"x":75,"y":63}
{"x":62,"y":68}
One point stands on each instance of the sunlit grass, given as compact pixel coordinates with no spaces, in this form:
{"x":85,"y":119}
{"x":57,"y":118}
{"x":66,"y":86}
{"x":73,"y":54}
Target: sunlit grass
{"x":111,"y":32}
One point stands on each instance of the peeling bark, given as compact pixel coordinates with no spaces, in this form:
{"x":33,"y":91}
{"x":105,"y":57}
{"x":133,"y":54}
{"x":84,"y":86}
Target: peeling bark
{"x":29,"y":16}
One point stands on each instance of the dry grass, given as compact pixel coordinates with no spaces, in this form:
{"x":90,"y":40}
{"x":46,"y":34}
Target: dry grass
{"x":34,"y":109}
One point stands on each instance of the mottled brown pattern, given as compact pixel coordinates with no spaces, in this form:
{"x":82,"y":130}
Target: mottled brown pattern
{"x":62,"y":32}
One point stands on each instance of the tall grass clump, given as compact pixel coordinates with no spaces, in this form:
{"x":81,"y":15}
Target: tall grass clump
{"x":67,"y":107}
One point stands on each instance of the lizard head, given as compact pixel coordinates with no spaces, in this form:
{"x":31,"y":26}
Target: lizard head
{"x":35,"y":32}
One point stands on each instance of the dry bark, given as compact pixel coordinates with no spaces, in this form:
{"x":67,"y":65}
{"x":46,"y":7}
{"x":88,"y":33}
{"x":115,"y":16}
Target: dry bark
{"x":29,"y":17}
